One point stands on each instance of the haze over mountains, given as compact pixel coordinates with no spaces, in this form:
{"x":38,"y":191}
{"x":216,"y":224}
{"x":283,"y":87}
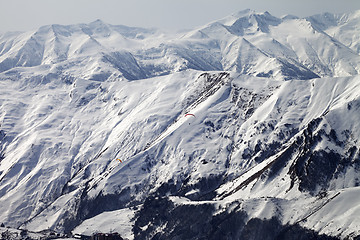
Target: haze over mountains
{"x":271,"y":148}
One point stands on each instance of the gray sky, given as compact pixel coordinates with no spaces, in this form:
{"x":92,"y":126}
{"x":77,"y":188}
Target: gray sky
{"x":24,"y":15}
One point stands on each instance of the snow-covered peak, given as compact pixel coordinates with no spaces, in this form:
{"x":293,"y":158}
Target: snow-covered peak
{"x":325,"y":20}
{"x":249,"y":120}
{"x":226,"y":44}
{"x":98,"y":23}
{"x":329,"y":20}
{"x":343,"y":27}
{"x":249,"y":19}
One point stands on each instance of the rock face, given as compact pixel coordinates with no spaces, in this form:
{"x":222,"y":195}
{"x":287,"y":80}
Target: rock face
{"x":200,"y":221}
{"x":246,"y":128}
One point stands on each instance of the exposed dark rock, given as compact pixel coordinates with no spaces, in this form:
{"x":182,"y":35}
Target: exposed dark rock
{"x":316,"y":168}
{"x":160,"y":218}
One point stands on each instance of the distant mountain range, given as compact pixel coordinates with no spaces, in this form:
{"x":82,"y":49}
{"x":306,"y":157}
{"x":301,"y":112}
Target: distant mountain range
{"x":245,"y":128}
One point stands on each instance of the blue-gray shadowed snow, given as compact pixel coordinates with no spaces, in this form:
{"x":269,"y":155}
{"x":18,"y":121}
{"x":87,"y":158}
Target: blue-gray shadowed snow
{"x":272,"y":139}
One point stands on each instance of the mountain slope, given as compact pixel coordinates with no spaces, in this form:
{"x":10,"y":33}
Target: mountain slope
{"x":251,"y":121}
{"x":342,"y":27}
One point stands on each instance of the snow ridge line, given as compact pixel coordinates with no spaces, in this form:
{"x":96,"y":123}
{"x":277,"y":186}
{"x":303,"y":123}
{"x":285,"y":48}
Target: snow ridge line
{"x":247,"y":177}
{"x":316,"y":209}
{"x":252,"y":177}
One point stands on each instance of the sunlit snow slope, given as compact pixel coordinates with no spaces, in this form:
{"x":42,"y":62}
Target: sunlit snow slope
{"x":251,"y":122}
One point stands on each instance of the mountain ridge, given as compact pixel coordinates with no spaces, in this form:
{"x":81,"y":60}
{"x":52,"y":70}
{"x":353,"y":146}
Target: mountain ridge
{"x":182,"y":53}
{"x":251,"y":120}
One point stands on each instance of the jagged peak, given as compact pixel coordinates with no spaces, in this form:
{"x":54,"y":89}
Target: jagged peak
{"x":248,"y":13}
{"x":98,"y":23}
{"x":251,"y":19}
{"x":238,"y":23}
{"x":99,"y":26}
{"x":243,"y":14}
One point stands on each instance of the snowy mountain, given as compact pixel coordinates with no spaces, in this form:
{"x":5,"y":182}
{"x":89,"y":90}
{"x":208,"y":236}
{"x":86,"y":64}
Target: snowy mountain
{"x":243,"y":128}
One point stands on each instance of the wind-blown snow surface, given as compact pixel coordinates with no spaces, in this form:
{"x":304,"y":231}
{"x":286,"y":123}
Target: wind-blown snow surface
{"x":255,"y":152}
